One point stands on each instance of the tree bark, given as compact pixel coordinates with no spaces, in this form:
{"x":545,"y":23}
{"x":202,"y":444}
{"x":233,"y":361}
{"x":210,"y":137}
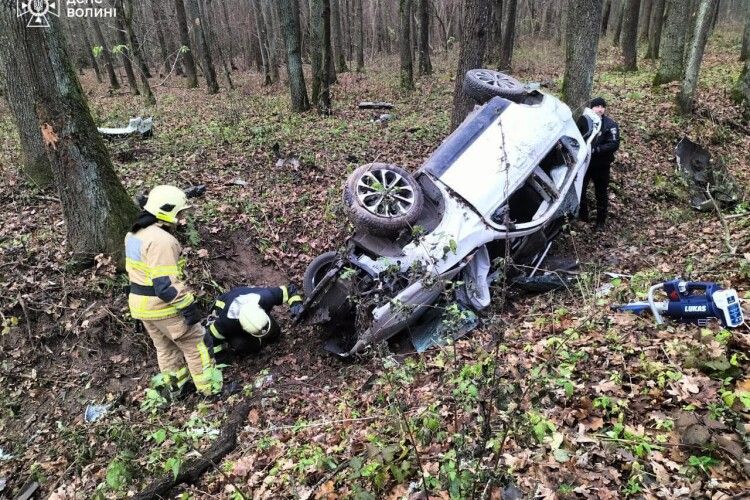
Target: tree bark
{"x":187,"y":54}
{"x":672,"y":45}
{"x":495,"y":41}
{"x":742,"y":90}
{"x":620,"y":18}
{"x":229,"y":33}
{"x":425,"y":64}
{"x":745,"y":50}
{"x":470,"y":53}
{"x":122,"y":47}
{"x":654,"y":36}
{"x":163,"y":48}
{"x":260,"y":28}
{"x":126,"y":9}
{"x":630,"y":36}
{"x":204,"y":51}
{"x":686,"y":97}
{"x":208,"y":23}
{"x":581,"y":42}
{"x":337,"y":38}
{"x":359,"y":36}
{"x":106,"y":54}
{"x":320,"y":53}
{"x":644,"y":22}
{"x":407,"y":74}
{"x":289,"y":11}
{"x":605,"y":17}
{"x":509,"y":36}
{"x":96,"y":208}
{"x":268,"y":21}
{"x":90,"y":51}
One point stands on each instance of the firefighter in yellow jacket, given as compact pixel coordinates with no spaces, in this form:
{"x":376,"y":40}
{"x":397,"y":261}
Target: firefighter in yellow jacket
{"x":161,"y":299}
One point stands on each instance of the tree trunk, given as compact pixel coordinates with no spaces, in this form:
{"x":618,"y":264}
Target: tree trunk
{"x":470,"y":53}
{"x":187,"y":54}
{"x":140,"y":61}
{"x":742,"y":90}
{"x":229,"y":33}
{"x":630,"y":36}
{"x":208,"y":19}
{"x":581,"y":42}
{"x":289,"y":11}
{"x":204,"y":51}
{"x":359,"y":36}
{"x":407,"y":76}
{"x":126,"y":11}
{"x":122,"y":42}
{"x":106,"y":54}
{"x":672,"y":45}
{"x":273,"y":49}
{"x":686,"y":97}
{"x":620,"y":18}
{"x":644,"y":22}
{"x":96,"y":208}
{"x":337,"y":38}
{"x":495,"y":41}
{"x":509,"y":36}
{"x":90,"y":51}
{"x":163,"y":49}
{"x":320,"y":53}
{"x":260,"y":28}
{"x":425,"y":64}
{"x":745,"y":50}
{"x":605,"y":17}
{"x":654,"y":36}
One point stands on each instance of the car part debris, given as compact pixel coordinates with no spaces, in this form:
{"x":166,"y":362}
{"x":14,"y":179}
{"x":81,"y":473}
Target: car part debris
{"x":439,"y":325}
{"x":138,"y":126}
{"x":195,"y":191}
{"x":5,"y":455}
{"x":28,"y":490}
{"x":375,"y":105}
{"x":705,"y":178}
{"x":694,"y":302}
{"x":95,"y":412}
{"x":501,"y":185}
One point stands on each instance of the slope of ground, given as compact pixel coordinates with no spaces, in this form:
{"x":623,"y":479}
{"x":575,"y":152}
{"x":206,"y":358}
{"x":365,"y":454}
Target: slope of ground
{"x":553,"y":396}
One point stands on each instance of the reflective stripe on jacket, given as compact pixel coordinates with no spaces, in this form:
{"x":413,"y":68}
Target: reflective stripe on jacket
{"x":153,"y":266}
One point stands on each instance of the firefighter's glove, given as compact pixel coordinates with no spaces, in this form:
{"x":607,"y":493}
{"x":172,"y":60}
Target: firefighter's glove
{"x":191,"y":314}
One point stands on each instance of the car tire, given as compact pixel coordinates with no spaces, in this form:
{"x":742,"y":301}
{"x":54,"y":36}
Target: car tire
{"x":484,"y":84}
{"x":319,"y":266}
{"x":393,"y":211}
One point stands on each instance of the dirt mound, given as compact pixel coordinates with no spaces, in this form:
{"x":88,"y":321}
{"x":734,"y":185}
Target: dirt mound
{"x":238,"y":263}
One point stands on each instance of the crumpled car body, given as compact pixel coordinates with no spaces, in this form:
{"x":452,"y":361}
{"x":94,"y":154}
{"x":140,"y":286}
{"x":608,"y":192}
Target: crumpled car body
{"x":502,"y":184}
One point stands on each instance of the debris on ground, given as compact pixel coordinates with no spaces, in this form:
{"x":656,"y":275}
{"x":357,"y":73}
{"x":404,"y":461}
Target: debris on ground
{"x":375,"y":105}
{"x":138,"y":126}
{"x":95,"y":412}
{"x":705,"y":178}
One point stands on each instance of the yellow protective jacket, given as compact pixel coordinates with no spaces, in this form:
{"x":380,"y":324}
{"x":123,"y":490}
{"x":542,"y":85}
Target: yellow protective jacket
{"x":156,"y":287}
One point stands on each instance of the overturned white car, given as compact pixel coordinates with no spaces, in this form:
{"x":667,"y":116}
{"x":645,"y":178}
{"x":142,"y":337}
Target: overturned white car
{"x":502,"y":184}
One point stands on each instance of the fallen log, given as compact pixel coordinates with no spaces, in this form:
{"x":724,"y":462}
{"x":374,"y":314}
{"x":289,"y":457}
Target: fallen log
{"x":194,"y":469}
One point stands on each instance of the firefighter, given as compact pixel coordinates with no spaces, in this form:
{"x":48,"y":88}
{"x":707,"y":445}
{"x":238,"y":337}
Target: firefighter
{"x":603,"y":152}
{"x":242,"y":322}
{"x":162,"y":300}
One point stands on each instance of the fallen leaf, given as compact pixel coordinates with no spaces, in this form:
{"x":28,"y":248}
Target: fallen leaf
{"x":49,"y":136}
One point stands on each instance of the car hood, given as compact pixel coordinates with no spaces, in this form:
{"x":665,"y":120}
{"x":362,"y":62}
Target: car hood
{"x":496,"y":148}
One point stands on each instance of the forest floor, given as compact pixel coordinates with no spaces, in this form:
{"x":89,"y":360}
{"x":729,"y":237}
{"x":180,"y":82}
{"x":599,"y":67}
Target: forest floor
{"x":555,"y":396}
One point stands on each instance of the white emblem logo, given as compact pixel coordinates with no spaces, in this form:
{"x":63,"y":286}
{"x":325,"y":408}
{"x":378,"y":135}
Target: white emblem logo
{"x":38,"y":11}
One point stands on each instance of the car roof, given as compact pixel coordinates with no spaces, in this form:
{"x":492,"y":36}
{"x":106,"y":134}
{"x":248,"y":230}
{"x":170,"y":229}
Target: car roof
{"x":495,"y":149}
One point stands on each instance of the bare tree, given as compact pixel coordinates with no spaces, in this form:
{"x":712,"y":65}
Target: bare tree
{"x":745,"y":51}
{"x":90,"y":51}
{"x":630,"y":35}
{"x":581,"y":42}
{"x":654,"y":36}
{"x":260,"y":28}
{"x":337,"y":37}
{"x":289,"y":11}
{"x":106,"y":54}
{"x":407,"y":73}
{"x":359,"y":36}
{"x":686,"y":97}
{"x":126,"y":9}
{"x":605,"y":17}
{"x":161,"y":39}
{"x":204,"y":51}
{"x":742,"y":90}
{"x":122,"y":48}
{"x":425,"y":64}
{"x":672,"y":45}
{"x":473,"y":44}
{"x":187,"y":55}
{"x":96,"y":208}
{"x":644,"y":21}
{"x":509,"y":36}
{"x":320,"y":53}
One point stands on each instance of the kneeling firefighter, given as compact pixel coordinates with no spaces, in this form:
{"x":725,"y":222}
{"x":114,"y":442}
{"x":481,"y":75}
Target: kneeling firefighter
{"x":242,"y":322}
{"x":161,"y":299}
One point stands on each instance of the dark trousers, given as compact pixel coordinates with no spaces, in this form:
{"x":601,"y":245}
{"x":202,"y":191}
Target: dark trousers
{"x":599,"y":173}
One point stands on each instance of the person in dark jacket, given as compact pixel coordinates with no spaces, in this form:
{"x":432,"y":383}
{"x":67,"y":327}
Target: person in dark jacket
{"x":241,"y":321}
{"x":602,"y":155}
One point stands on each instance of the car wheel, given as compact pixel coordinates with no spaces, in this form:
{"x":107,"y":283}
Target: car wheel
{"x":484,"y":84}
{"x":382,"y":198}
{"x":315,"y":271}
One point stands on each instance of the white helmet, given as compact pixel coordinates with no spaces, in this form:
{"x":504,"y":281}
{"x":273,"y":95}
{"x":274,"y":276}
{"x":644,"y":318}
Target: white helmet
{"x":165,"y":202}
{"x":254,"y":319}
